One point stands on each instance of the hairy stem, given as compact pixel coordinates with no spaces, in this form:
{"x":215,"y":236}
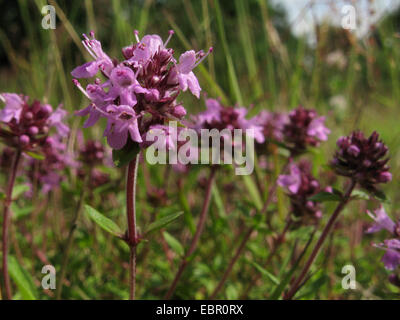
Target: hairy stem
{"x":131,"y":216}
{"x":6,"y":224}
{"x":196,"y":237}
{"x":299,"y":281}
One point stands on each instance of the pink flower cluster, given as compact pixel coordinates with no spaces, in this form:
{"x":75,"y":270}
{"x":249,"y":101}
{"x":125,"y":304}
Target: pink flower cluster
{"x":139,"y":92}
{"x":26,"y":126}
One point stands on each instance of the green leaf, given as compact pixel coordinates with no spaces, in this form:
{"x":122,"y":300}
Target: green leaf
{"x":125,"y":155}
{"x":103,"y":222}
{"x":325,"y":196}
{"x":173,"y":243}
{"x":364,"y":195}
{"x":19,"y":189}
{"x":158,"y":224}
{"x":266,"y":273}
{"x":360,"y":194}
{"x":22,"y":279}
{"x":37,"y":156}
{"x":380,"y":195}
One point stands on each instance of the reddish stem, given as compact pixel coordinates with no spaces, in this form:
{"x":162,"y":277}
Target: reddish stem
{"x":131,"y":215}
{"x":325,"y":232}
{"x":6,"y":224}
{"x":199,"y":231}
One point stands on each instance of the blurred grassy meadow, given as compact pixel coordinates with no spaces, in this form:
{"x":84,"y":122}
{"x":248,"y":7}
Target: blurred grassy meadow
{"x":258,"y":63}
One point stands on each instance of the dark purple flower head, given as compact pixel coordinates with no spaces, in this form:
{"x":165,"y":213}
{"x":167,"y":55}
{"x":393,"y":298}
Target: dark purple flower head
{"x":140,"y":91}
{"x":92,"y":153}
{"x":219,"y":117}
{"x":391,"y":259}
{"x":301,"y":185}
{"x":304,"y":129}
{"x":26,"y":126}
{"x":362,"y":159}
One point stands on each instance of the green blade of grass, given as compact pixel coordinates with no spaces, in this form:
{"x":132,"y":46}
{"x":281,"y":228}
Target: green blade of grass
{"x":235,"y":88}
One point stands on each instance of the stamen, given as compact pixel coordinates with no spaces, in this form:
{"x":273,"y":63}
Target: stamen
{"x":202,"y":58}
{"x":171,"y":32}
{"x":76,"y":82}
{"x":136,"y":33}
{"x":2,"y":98}
{"x":91,"y":34}
{"x":87,"y":47}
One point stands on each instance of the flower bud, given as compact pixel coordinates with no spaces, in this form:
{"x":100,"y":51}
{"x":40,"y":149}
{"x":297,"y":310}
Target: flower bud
{"x":24,"y":140}
{"x":33,"y":130}
{"x":179,"y":112}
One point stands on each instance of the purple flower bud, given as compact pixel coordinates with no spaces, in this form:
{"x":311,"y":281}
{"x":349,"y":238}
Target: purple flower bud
{"x":49,"y":141}
{"x":314,"y":184}
{"x":24,"y":140}
{"x":385,"y":177}
{"x":179,"y":111}
{"x":33,"y":130}
{"x":341,"y":141}
{"x":46,"y":109}
{"x":99,"y":155}
{"x":28,"y":115}
{"x":367,"y":163}
{"x":353,"y":150}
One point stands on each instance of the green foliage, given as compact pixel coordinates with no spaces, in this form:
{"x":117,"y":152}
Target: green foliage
{"x":103,"y":222}
{"x":160,"y":223}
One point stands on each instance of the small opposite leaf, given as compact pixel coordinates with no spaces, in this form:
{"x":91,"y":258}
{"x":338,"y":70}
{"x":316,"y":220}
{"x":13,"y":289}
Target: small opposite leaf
{"x":325,"y":196}
{"x":380,"y":195}
{"x":104,"y":222}
{"x":125,"y":155}
{"x":158,"y":224}
{"x":173,"y":243}
{"x":359,"y":194}
{"x":35,"y":155}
